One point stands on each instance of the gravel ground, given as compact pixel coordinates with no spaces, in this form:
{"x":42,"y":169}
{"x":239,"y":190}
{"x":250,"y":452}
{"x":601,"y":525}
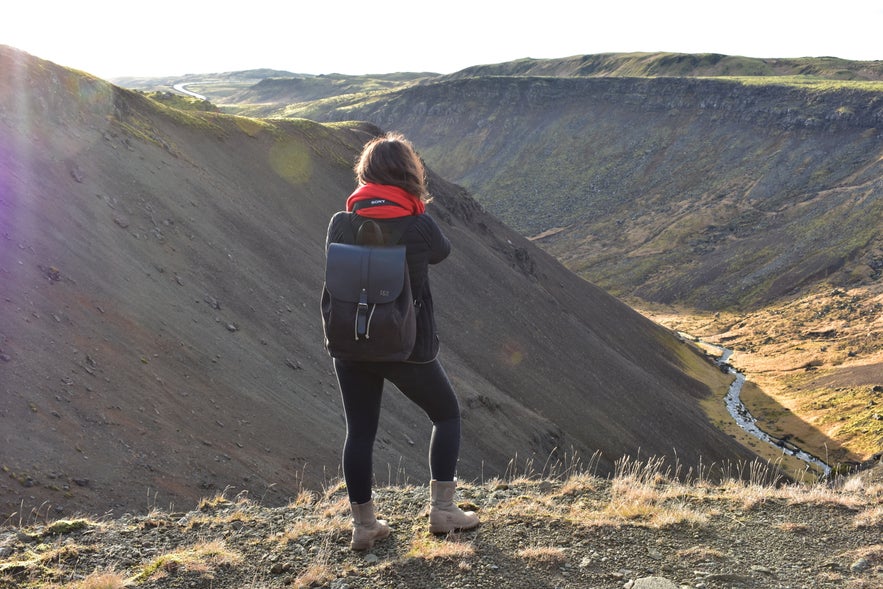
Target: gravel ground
{"x":639,"y":530}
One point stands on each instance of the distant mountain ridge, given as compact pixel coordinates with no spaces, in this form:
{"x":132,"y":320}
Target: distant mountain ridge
{"x":269,"y":92}
{"x":642,"y":65}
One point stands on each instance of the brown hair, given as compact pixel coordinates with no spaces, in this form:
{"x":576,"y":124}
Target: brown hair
{"x":392,"y":159}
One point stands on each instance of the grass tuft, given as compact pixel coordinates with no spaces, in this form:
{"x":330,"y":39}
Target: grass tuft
{"x":546,"y":555}
{"x":202,"y":558}
{"x":67,"y":526}
{"x":870,"y":518}
{"x":102,"y":580}
{"x":701,"y":553}
{"x":317,"y":574}
{"x":428,"y":547}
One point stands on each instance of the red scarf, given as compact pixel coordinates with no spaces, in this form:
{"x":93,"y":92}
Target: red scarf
{"x":390,"y":202}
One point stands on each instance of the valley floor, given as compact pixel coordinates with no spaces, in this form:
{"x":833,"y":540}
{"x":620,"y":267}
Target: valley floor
{"x":814,"y":366}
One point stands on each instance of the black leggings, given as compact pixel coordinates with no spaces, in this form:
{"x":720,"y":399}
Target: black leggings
{"x":361,"y":388}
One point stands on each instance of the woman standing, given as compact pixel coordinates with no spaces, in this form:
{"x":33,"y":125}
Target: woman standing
{"x":392,"y":192}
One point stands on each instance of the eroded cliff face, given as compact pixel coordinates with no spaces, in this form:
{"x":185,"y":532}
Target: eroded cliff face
{"x":710,"y":192}
{"x":814,"y":106}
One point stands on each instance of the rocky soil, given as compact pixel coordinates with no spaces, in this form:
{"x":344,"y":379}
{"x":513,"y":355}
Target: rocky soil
{"x":640,"y":528}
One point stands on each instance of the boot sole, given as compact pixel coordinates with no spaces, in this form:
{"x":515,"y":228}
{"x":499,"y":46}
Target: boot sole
{"x":438,"y":529}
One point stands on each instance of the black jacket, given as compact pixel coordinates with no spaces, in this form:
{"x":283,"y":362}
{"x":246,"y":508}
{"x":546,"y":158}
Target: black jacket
{"x":425,"y":244}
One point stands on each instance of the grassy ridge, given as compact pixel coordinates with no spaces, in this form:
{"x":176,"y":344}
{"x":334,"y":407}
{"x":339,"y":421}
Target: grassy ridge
{"x":561,"y":528}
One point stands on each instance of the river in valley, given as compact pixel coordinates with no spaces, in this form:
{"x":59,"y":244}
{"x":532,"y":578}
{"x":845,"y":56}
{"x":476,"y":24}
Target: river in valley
{"x":743,"y":417}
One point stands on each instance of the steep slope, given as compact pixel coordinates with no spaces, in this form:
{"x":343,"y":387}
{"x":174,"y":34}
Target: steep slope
{"x":160,"y":334}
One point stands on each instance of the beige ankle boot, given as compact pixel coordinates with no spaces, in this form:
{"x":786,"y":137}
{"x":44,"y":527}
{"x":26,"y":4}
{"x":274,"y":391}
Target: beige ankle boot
{"x":366,"y":527}
{"x":444,"y":515}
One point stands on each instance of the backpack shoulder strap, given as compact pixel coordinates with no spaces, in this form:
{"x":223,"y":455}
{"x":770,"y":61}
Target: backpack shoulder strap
{"x":370,"y":233}
{"x":396,"y":235}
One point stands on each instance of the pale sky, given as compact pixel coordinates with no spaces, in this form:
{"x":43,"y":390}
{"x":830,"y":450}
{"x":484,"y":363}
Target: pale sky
{"x":164,"y":38}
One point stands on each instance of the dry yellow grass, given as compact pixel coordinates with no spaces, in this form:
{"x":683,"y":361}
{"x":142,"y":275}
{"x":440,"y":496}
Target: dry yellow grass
{"x":793,"y":527}
{"x":547,"y":555}
{"x":203,"y":558}
{"x":870,"y":518}
{"x":101,"y":580}
{"x":700,"y":553}
{"x":303,"y":499}
{"x":315,"y":575}
{"x":308,"y":527}
{"x":427,"y":547}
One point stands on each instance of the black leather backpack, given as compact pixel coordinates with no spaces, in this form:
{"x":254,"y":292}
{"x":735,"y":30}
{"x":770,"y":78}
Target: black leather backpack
{"x":368,"y":311}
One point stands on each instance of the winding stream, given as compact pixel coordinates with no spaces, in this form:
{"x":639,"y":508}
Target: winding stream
{"x":183,"y":90}
{"x":746,"y":421}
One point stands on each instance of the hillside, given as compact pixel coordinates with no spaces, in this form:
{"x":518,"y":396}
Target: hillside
{"x":638,"y":530}
{"x":160,"y":331}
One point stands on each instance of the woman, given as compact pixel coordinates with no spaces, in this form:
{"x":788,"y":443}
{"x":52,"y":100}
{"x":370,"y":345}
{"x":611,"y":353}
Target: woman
{"x":391,"y":190}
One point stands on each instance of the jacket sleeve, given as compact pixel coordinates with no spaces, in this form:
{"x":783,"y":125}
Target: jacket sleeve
{"x":439,"y":244}
{"x":336,"y":228}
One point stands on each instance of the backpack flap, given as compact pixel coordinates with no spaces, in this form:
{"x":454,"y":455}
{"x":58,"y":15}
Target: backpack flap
{"x":365,"y":274}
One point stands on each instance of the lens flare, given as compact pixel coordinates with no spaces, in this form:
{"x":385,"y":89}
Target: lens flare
{"x":292,"y":161}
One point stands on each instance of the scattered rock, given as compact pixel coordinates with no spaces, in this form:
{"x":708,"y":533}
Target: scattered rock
{"x":53,"y":274}
{"x":860,"y":565}
{"x":25,"y":537}
{"x":651,"y":583}
{"x":77,"y":173}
